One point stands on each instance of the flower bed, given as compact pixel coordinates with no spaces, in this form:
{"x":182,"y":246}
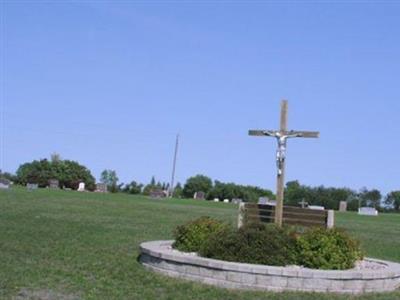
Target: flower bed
{"x":370,"y":275}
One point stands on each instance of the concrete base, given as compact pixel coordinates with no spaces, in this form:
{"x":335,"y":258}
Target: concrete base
{"x":160,"y":257}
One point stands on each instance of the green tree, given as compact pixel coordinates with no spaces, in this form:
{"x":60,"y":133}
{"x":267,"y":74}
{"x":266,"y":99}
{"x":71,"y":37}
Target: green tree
{"x":69,"y":173}
{"x":109,"y":177}
{"x":196,"y":184}
{"x":393,"y":199}
{"x":8,"y":176}
{"x":152,"y":186}
{"x":178,"y":190}
{"x":133,"y":188}
{"x":370,"y":197}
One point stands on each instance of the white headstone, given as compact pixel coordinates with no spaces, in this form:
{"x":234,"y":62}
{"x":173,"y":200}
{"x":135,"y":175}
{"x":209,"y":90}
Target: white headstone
{"x":367,"y":211}
{"x":81,"y":187}
{"x":216,"y":200}
{"x":226,"y":200}
{"x":316,"y":207}
{"x":343,"y":206}
{"x":237,"y":200}
{"x":31,"y":186}
{"x":263,"y":200}
{"x":4,"y":183}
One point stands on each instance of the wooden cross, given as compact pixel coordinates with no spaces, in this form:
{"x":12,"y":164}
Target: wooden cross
{"x":281,"y":136}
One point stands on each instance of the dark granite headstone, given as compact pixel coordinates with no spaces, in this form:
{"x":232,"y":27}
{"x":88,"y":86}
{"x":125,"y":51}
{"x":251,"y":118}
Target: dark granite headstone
{"x":54,"y":184}
{"x":199,"y":195}
{"x":101,"y":187}
{"x":157,"y":194}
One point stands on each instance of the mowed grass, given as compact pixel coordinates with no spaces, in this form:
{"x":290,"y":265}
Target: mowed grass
{"x":86,"y":245}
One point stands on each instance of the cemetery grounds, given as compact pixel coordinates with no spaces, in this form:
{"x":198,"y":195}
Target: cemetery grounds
{"x":58,"y":244}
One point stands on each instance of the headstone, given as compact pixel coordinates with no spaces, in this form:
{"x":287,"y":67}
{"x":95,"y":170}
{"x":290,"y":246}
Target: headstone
{"x":316,"y":207}
{"x":81,"y":187}
{"x":263,"y":200}
{"x":4,"y":183}
{"x":31,"y":186}
{"x":237,"y":200}
{"x":367,"y":211}
{"x":226,"y":200}
{"x":53,"y":184}
{"x":101,"y":188}
{"x":216,"y":199}
{"x":343,"y":206}
{"x":199,"y":195}
{"x":158,"y":194}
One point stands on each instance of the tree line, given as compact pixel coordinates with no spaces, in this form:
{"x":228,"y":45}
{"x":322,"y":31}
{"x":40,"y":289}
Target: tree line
{"x":70,"y":173}
{"x":330,"y":197}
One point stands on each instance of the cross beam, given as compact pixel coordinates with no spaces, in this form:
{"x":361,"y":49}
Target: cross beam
{"x":281,"y":136}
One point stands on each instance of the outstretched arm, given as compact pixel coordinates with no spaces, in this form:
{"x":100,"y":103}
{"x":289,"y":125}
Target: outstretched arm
{"x":303,"y":134}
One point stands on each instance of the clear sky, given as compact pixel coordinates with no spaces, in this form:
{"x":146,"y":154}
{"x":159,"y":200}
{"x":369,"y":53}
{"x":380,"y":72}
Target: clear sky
{"x":110,"y":84}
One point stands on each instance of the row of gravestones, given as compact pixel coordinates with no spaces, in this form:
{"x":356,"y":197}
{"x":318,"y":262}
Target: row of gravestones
{"x":367,"y":211}
{"x":202,"y":196}
{"x":100,"y":187}
{"x":53,"y":184}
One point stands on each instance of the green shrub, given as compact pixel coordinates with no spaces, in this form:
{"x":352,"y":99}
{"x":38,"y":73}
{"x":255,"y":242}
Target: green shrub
{"x":191,"y":236}
{"x":328,"y":249}
{"x":254,"y":243}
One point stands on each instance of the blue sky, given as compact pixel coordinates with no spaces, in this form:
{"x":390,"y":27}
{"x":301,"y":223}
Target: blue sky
{"x":110,"y":84}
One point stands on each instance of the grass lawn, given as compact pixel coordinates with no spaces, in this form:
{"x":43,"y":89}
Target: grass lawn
{"x":85,"y":246}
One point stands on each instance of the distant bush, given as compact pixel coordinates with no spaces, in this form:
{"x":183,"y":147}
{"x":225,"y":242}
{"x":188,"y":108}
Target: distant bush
{"x":255,"y":243}
{"x":191,"y":236}
{"x":331,"y":249}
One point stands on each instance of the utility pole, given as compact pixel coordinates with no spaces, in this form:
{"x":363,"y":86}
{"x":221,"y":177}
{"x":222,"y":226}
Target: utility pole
{"x":171,"y":187}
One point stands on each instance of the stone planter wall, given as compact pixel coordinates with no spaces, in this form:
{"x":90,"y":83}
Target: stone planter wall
{"x":159,"y":256}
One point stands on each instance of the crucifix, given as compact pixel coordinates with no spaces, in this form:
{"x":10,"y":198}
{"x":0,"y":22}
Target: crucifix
{"x":281,"y":136}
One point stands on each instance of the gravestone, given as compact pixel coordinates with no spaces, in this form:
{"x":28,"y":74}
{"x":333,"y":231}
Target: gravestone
{"x":367,"y":211}
{"x":31,"y":186}
{"x":226,"y":200}
{"x":343,"y":206}
{"x":81,"y":187}
{"x":53,"y":184}
{"x":199,"y":195}
{"x":216,"y":199}
{"x":101,"y":188}
{"x":4,"y":183}
{"x":158,"y":194}
{"x":237,"y":200}
{"x":316,"y":207}
{"x":263,"y":200}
